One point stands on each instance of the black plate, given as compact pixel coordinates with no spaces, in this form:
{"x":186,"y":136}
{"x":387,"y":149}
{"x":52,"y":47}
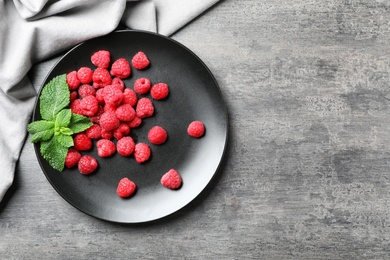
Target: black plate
{"x":194,"y":95}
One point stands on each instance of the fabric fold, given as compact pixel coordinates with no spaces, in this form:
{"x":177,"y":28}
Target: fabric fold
{"x":140,"y":15}
{"x":28,"y":9}
{"x":172,"y":14}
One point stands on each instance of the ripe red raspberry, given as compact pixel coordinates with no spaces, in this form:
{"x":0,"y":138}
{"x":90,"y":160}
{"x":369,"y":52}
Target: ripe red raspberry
{"x":142,"y":86}
{"x":125,"y":112}
{"x":86,"y":90}
{"x":107,"y":134}
{"x":122,"y":130}
{"x":101,"y":59}
{"x":136,"y":122}
{"x":101,"y":77}
{"x":87,"y":164}
{"x":89,"y":106}
{"x":157,"y":135}
{"x":72,"y":80}
{"x":141,"y":152}
{"x":159,"y":91}
{"x":140,"y":61}
{"x":84,"y":74}
{"x":96,"y":118}
{"x":108,"y":121}
{"x":129,"y":97}
{"x":75,"y":106}
{"x":105,"y":147}
{"x":82,"y":142}
{"x":72,"y":158}
{"x":125,"y":146}
{"x":99,"y":96}
{"x":94,"y":132}
{"x":196,"y":129}
{"x":144,"y":108}
{"x":112,"y":95}
{"x":125,"y":188}
{"x":119,"y":87}
{"x":171,"y":179}
{"x":118,"y":83}
{"x":109,"y":107}
{"x":73,"y":96}
{"x":121,"y":68}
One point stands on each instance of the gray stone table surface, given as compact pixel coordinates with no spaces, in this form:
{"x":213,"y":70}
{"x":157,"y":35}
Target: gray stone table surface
{"x":306,"y":173}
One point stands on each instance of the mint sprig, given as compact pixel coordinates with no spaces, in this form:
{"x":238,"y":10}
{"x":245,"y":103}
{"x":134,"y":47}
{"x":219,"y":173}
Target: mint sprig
{"x":54,"y":132}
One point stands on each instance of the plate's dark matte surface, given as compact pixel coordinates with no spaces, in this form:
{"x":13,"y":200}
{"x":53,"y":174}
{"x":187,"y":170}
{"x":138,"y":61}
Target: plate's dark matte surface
{"x":194,"y":95}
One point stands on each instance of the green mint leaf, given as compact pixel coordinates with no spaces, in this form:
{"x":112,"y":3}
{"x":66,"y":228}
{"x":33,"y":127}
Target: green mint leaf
{"x":38,"y":126}
{"x":63,"y":118}
{"x":41,"y":130}
{"x":66,"y":131}
{"x":79,"y":123}
{"x":54,"y":153}
{"x":42,"y":136}
{"x":54,"y":97}
{"x":65,"y":140}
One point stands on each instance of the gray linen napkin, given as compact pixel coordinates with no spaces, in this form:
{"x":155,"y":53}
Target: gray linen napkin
{"x":33,"y":30}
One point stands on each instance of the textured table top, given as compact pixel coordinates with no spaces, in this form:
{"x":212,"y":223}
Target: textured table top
{"x":306,"y":172}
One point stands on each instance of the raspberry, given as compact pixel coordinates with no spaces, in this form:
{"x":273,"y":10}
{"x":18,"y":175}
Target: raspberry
{"x":125,"y":112}
{"x":125,"y":188}
{"x":75,"y":106}
{"x":140,"y":61}
{"x":129,"y":97}
{"x":159,"y":91}
{"x":105,"y":147}
{"x":119,"y":87}
{"x":89,"y":106}
{"x":171,"y":179}
{"x":107,"y":134}
{"x":87,"y":164}
{"x":96,"y":118}
{"x":109,"y":107}
{"x":101,"y":77}
{"x":86,"y":90}
{"x":142,"y":86}
{"x":196,"y":129}
{"x":125,"y":146}
{"x":122,"y":130}
{"x":157,"y":135}
{"x":84,"y":74}
{"x":121,"y":68}
{"x":101,"y":59}
{"x":99,"y":96}
{"x":112,"y":95}
{"x":94,"y":132}
{"x":136,"y":122}
{"x":118,"y":83}
{"x":72,"y":80}
{"x":141,"y":152}
{"x":108,"y":121}
{"x":73,"y":96}
{"x":144,"y":108}
{"x":72,"y":158}
{"x":82,"y":142}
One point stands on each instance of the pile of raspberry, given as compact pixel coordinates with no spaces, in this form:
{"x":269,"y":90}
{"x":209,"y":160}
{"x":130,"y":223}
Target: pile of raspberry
{"x":114,"y":109}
